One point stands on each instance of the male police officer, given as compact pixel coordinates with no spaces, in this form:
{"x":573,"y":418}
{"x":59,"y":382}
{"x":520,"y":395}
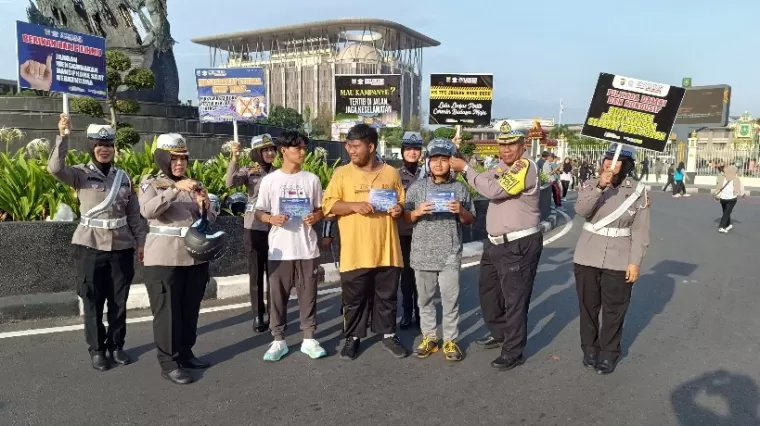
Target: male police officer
{"x":411,"y":151}
{"x":608,"y":256}
{"x":511,"y":253}
{"x":110,"y":228}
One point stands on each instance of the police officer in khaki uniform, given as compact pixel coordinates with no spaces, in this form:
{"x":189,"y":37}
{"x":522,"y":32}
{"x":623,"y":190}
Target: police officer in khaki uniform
{"x":110,"y":228}
{"x":175,"y":281}
{"x":411,"y":152}
{"x":256,"y":233}
{"x":608,"y":256}
{"x":513,"y":248}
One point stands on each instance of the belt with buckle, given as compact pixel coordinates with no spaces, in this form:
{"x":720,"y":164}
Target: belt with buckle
{"x":168,"y":231}
{"x":608,"y":232}
{"x":512,"y":236}
{"x":103,"y":223}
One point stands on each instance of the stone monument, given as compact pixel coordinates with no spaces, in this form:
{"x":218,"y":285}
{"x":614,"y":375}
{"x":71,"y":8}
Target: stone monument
{"x":117,"y":21}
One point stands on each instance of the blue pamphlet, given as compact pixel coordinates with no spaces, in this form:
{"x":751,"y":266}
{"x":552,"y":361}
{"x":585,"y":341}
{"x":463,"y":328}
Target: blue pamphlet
{"x":441,"y":199}
{"x":295,"y":207}
{"x":383,"y":199}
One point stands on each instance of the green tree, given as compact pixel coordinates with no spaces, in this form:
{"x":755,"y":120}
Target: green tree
{"x":287,"y":118}
{"x":466,"y":136}
{"x":467,"y":149}
{"x":392,"y":136}
{"x":321,"y":125}
{"x":444,"y":132}
{"x":118,"y":74}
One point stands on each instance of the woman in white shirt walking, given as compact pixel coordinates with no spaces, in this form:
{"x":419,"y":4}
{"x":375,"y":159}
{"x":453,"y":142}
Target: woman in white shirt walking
{"x":727,"y":191}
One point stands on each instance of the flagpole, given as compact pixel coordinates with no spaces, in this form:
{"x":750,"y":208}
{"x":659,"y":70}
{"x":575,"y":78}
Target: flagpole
{"x":561,"y":108}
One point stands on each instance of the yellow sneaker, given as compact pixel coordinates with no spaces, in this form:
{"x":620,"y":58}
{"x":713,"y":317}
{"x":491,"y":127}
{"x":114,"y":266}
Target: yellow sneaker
{"x":427,"y":347}
{"x":452,"y":351}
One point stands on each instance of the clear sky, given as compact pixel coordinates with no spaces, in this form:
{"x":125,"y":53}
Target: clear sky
{"x":538,"y":52}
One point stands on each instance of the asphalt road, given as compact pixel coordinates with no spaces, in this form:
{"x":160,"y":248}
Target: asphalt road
{"x":690,"y":357}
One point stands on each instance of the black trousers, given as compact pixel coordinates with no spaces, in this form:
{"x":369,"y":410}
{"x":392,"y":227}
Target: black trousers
{"x":408,"y":283}
{"x":507,"y":272}
{"x":565,"y":187}
{"x":256,"y":244}
{"x":679,"y":187}
{"x":175,"y":294}
{"x":104,"y":279}
{"x":668,"y":183}
{"x":368,"y":291}
{"x":606,"y":291}
{"x":728,"y":207}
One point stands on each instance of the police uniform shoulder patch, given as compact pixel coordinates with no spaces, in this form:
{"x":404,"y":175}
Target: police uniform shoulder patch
{"x":144,"y":186}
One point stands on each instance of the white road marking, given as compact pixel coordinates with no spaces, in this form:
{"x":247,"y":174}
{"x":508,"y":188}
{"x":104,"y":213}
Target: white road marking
{"x":62,"y":329}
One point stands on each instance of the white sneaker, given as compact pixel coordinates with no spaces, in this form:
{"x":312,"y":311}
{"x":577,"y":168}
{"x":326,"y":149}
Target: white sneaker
{"x":312,"y":348}
{"x":723,"y":230}
{"x":277,"y":350}
{"x":687,"y":195}
{"x":728,"y":228}
{"x":677,"y":196}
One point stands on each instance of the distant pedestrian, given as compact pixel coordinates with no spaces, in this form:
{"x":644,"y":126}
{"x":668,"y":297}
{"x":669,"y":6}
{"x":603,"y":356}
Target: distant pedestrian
{"x":727,"y":191}
{"x":566,"y":177}
{"x":679,"y":179}
{"x":671,"y":172}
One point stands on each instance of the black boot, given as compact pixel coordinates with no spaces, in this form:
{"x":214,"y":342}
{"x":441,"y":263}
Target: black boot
{"x":260,"y":325}
{"x":590,"y":359}
{"x":100,"y":361}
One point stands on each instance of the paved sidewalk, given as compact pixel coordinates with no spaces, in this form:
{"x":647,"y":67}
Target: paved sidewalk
{"x":67,"y":304}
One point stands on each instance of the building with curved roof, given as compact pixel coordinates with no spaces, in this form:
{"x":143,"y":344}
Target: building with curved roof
{"x":301,"y":61}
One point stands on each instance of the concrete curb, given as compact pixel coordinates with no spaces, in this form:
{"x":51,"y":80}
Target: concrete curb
{"x":67,"y":304}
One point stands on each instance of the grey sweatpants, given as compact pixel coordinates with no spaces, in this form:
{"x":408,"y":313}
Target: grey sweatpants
{"x":283,"y":276}
{"x":448,"y":282}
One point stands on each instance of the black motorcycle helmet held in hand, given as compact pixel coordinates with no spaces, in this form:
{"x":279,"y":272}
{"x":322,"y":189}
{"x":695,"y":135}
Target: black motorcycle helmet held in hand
{"x":201,"y":243}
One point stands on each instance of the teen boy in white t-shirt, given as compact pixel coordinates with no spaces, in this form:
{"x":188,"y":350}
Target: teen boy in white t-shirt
{"x":290,"y":199}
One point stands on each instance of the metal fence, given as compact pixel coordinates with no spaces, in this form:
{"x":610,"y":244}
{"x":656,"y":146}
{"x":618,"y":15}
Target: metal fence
{"x":594,"y":153}
{"x":709,"y":161}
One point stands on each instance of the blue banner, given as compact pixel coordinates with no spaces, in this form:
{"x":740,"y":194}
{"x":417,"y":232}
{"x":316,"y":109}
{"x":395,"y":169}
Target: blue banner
{"x":62,"y":61}
{"x":227,"y":94}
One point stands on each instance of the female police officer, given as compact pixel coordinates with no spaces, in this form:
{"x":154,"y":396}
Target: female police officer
{"x":608,"y":256}
{"x":109,"y":231}
{"x":175,"y":281}
{"x":256,"y":234}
